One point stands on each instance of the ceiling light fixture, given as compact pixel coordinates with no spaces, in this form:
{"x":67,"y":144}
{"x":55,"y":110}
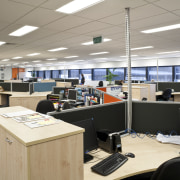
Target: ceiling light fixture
{"x":168,"y":52}
{"x":98,"y":53}
{"x":145,"y":47}
{"x":52,"y":59}
{"x":57,"y":49}
{"x":165,"y":28}
{"x":2,"y":42}
{"x":33,"y":54}
{"x":131,"y":56}
{"x":5,"y":60}
{"x":77,"y":5}
{"x":68,"y":57}
{"x":37,"y":61}
{"x":16,"y":57}
{"x":23,"y":30}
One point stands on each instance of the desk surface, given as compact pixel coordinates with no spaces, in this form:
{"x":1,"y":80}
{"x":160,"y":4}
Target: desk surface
{"x":28,"y":136}
{"x":149,"y":155}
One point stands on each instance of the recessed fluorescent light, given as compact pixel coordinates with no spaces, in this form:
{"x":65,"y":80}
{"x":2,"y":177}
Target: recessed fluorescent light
{"x":33,"y":54}
{"x":100,"y":58}
{"x":52,"y":59}
{"x":131,"y":56}
{"x":145,"y":47}
{"x":71,"y":57}
{"x":37,"y":61}
{"x":25,"y":62}
{"x":48,"y":63}
{"x":16,"y":57}
{"x":23,"y":30}
{"x":57,"y":49}
{"x":168,"y":52}
{"x":91,"y":42}
{"x":5,"y":60}
{"x":79,"y":60}
{"x":165,"y":28}
{"x":98,"y":53}
{"x":77,"y":5}
{"x":2,"y":42}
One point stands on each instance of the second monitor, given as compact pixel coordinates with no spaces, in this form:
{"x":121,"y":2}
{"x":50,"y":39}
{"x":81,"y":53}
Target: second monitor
{"x":72,"y":94}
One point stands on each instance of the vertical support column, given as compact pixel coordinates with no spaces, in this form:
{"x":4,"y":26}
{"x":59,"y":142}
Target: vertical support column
{"x":157,"y":74}
{"x":128,"y":56}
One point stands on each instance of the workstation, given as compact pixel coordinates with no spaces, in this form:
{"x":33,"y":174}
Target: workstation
{"x":61,"y":48}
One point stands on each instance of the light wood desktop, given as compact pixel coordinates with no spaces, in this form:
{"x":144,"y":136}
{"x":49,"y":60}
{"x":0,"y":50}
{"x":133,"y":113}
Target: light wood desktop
{"x":149,"y":154}
{"x":175,"y":94}
{"x":137,"y":92}
{"x":50,"y":152}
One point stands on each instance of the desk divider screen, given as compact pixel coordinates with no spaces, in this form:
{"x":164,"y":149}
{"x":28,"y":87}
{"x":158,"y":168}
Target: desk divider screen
{"x":153,"y":117}
{"x":6,"y":86}
{"x":20,"y":87}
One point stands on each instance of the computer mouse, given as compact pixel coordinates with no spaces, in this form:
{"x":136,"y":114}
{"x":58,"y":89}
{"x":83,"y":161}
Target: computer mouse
{"x":131,"y":155}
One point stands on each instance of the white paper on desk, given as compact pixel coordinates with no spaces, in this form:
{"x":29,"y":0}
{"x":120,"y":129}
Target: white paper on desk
{"x":168,"y":139}
{"x":18,"y":113}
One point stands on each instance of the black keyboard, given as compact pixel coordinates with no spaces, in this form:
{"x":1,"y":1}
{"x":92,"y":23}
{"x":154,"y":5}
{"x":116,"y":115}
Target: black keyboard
{"x":109,"y":164}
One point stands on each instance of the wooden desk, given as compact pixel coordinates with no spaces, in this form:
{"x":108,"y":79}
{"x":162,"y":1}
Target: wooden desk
{"x":175,"y":94}
{"x":26,"y":100}
{"x":50,"y":152}
{"x":149,"y":154}
{"x":137,"y":92}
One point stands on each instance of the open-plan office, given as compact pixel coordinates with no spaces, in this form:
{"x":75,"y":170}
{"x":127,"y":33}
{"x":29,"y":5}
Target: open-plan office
{"x":92,"y":41}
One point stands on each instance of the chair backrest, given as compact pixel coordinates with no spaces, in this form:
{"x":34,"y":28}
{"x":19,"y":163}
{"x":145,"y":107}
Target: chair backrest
{"x":100,"y":83}
{"x":166,"y":94}
{"x":45,"y":106}
{"x":168,"y":170}
{"x":66,"y":105}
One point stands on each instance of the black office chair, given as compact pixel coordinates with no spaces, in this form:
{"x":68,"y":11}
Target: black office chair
{"x":66,"y":105}
{"x":168,"y":170}
{"x":100,"y":84}
{"x":166,"y":95}
{"x":45,"y":106}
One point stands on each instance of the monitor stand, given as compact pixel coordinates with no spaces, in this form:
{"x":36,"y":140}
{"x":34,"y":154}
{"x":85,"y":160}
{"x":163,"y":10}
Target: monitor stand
{"x":87,"y":157}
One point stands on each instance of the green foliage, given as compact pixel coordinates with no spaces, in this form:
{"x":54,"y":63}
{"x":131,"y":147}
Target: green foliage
{"x":110,"y":76}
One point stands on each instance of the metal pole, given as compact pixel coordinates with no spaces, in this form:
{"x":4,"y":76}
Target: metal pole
{"x":128,"y":56}
{"x":157,"y":74}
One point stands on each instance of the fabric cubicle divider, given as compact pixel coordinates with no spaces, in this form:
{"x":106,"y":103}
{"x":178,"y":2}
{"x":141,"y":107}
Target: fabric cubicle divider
{"x":20,"y":87}
{"x":110,"y":116}
{"x":153,"y":117}
{"x":45,"y":86}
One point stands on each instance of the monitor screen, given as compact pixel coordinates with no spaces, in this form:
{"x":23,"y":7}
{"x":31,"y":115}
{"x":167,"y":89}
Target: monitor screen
{"x":72,"y":94}
{"x":90,"y":137}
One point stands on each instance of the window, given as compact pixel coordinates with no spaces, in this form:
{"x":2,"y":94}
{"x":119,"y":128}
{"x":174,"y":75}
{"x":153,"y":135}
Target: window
{"x":74,"y":73}
{"x":119,"y":72}
{"x":164,"y":74}
{"x":48,"y":74}
{"x":55,"y":74}
{"x":98,"y":74}
{"x":41,"y":74}
{"x":177,"y":74}
{"x":137,"y":73}
{"x":64,"y":74}
{"x":87,"y":74}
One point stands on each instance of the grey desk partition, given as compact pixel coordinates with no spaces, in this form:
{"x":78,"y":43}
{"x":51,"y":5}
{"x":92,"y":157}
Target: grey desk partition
{"x":156,"y":116}
{"x":109,"y":116}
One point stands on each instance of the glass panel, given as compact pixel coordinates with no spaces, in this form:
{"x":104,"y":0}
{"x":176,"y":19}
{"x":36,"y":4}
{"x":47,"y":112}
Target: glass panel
{"x":64,"y":74}
{"x":48,"y":74}
{"x":119,"y":72}
{"x":177,"y":74}
{"x":74,"y":73}
{"x":55,"y":73}
{"x":41,"y":74}
{"x":98,"y":74}
{"x":164,"y":74}
{"x":87,"y":74}
{"x":137,"y":74}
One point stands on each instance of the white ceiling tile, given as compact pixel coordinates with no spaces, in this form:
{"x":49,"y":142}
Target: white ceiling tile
{"x":11,"y":11}
{"x":89,"y":27}
{"x":31,"y":2}
{"x":168,"y":4}
{"x":67,"y":22}
{"x":40,"y":17}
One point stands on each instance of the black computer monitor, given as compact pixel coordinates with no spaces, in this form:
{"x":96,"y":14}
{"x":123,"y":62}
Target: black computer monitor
{"x":90,"y":137}
{"x":72,"y":94}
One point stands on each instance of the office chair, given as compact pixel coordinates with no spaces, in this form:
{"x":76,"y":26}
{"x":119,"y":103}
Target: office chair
{"x":45,"y":106}
{"x":168,"y":170}
{"x":166,"y":95}
{"x":66,"y":105}
{"x":100,"y":84}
